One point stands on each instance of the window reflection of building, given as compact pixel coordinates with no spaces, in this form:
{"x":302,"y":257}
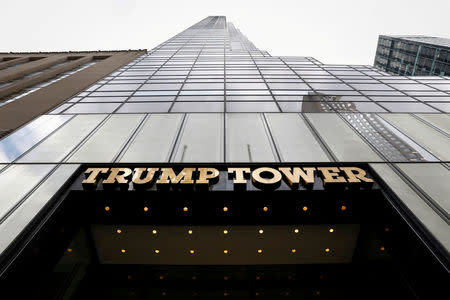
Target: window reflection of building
{"x":368,"y":125}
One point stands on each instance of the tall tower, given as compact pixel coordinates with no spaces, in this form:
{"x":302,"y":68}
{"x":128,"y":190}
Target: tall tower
{"x":207,"y":167}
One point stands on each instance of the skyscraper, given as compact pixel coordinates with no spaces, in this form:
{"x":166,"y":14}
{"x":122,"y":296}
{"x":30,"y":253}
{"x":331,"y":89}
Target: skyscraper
{"x":413,"y":55}
{"x":209,"y":168}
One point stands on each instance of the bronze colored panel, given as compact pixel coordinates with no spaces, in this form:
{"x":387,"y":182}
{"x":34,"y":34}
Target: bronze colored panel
{"x":25,"y":109}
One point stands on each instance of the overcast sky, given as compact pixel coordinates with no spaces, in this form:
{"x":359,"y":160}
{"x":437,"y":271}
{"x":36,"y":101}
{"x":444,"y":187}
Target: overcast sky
{"x":332,"y":31}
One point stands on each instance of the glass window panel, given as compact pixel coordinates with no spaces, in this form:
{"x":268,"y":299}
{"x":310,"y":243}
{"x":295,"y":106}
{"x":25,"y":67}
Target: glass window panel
{"x":155,"y":93}
{"x":161,"y":86}
{"x":203,"y":86}
{"x":293,"y":139}
{"x":394,"y":99}
{"x":288,"y":86}
{"x":17,"y":181}
{"x":252,"y":107}
{"x":249,"y":98}
{"x":27,"y":211}
{"x":151,"y":99}
{"x":355,"y":107}
{"x":248,"y":92}
{"x":108,"y":140}
{"x":445,"y":107}
{"x":58,"y":145}
{"x":371,"y":87}
{"x":26,"y":137}
{"x":330,"y":86}
{"x":197,"y":107}
{"x":441,"y":121}
{"x":104,"y":99}
{"x":201,"y":98}
{"x":60,"y":108}
{"x":246,"y":85}
{"x":432,"y":140}
{"x":407,"y":107}
{"x":434,"y":99}
{"x":118,"y":87}
{"x":146,"y":107}
{"x":412,"y":87}
{"x":247,"y":139}
{"x":201,"y":139}
{"x":92,"y":108}
{"x":394,"y":145}
{"x":341,"y":139}
{"x":155,"y":140}
{"x":421,"y":210}
{"x":433,"y":179}
{"x":110,"y":94}
{"x":193,"y":92}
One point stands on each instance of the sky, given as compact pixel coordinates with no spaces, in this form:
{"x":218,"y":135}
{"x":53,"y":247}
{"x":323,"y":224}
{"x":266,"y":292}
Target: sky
{"x":332,"y":31}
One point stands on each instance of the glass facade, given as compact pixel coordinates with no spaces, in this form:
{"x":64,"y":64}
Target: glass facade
{"x":209,"y":95}
{"x":413,"y":55}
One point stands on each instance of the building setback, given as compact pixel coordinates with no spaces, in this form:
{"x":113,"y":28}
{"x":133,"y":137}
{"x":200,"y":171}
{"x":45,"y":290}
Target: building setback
{"x":413,"y":55}
{"x":208,"y":168}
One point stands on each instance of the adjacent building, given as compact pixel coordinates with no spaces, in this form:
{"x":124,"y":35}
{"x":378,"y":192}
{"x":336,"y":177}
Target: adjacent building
{"x":412,"y":55}
{"x":207,"y":168}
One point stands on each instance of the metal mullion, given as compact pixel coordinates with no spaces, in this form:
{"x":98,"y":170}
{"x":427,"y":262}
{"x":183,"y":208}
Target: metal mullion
{"x":389,"y":85}
{"x":150,"y":77}
{"x":267,"y":85}
{"x":41,"y":141}
{"x":86,"y":138}
{"x":187,"y":76}
{"x":131,"y":138}
{"x":318,"y":138}
{"x":429,"y":124}
{"x":225,"y":98}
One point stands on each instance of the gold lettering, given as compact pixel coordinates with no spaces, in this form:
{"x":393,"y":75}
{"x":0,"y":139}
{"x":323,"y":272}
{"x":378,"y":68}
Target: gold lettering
{"x":264,"y":183}
{"x":119,"y":176}
{"x":239,"y":174}
{"x":139,"y":182}
{"x":207,"y":175}
{"x":239,"y":180}
{"x":168,"y":176}
{"x":293,"y":178}
{"x":331,"y":175}
{"x":356,"y":174}
{"x":92,"y":180}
